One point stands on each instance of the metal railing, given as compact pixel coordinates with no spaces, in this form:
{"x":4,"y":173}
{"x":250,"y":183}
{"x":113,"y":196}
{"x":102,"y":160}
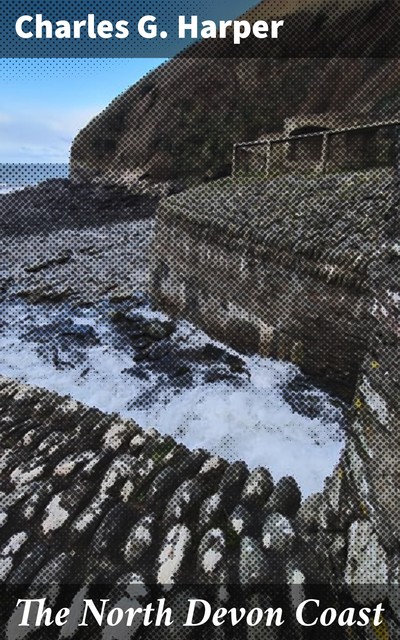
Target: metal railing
{"x":370,"y":145}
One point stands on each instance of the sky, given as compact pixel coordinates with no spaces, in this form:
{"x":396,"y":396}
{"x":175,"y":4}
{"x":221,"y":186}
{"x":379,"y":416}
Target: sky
{"x":45,"y":102}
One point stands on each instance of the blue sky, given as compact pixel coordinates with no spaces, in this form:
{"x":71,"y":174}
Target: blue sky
{"x":44,"y":102}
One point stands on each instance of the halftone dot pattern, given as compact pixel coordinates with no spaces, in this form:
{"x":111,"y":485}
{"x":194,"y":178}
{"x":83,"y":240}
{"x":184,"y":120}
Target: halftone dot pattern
{"x":294,"y":257}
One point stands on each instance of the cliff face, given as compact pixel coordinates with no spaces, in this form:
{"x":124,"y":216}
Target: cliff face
{"x":180,"y":121}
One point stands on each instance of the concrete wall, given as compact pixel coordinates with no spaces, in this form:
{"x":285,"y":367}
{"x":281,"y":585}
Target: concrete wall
{"x":276,"y":305}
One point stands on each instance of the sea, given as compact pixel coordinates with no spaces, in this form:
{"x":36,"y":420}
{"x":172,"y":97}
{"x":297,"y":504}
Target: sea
{"x":14,"y":176}
{"x":251,"y":419}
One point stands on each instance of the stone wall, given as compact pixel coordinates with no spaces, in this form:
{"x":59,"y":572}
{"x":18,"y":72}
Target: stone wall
{"x":280,"y":267}
{"x":351,"y":284}
{"x":373,"y":450}
{"x":90,"y":498}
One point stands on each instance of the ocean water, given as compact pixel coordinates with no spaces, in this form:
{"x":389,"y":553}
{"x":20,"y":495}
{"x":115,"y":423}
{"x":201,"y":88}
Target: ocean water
{"x":249,"y":420}
{"x":15,"y":176}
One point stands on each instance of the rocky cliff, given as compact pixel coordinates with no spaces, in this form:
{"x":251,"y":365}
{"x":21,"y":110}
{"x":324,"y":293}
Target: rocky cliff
{"x":180,"y":121}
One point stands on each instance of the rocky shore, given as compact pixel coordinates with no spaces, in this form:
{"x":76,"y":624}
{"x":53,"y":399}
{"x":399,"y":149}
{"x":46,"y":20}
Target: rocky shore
{"x":61,"y":241}
{"x":59,"y":203}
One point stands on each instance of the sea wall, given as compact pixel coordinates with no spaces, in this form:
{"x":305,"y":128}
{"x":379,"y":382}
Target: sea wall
{"x":319,"y":286}
{"x":266,"y":270}
{"x":373,"y":449}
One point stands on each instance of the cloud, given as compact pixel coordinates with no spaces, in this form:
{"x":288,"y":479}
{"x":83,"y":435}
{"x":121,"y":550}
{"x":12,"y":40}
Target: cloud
{"x":41,"y":135}
{"x":4,"y":118}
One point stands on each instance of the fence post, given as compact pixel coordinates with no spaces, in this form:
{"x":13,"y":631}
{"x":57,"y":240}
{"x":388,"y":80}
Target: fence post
{"x":234,"y":161}
{"x":324,"y":152}
{"x":268,"y":158}
{"x":397,"y":157}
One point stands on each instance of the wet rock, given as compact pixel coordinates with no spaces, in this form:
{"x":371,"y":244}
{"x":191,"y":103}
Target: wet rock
{"x":367,"y":563}
{"x":232,"y":482}
{"x":308,"y":517}
{"x":285,"y":498}
{"x":159,"y":350}
{"x":211,"y":553}
{"x":61,"y":335}
{"x":219,"y":373}
{"x":253,"y":565}
{"x":45,"y":292}
{"x":242,"y":521}
{"x":141,"y":343}
{"x":56,"y":570}
{"x":174,"y":551}
{"x":110,"y":533}
{"x":158,"y":329}
{"x":125,"y":293}
{"x":62,"y":258}
{"x":139,"y":539}
{"x":162,"y":485}
{"x":277,"y":533}
{"x":258,"y":487}
{"x":210,"y":511}
{"x":29,"y":565}
{"x":185,"y":499}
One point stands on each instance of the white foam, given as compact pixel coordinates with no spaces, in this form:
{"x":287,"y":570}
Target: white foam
{"x":251,"y":422}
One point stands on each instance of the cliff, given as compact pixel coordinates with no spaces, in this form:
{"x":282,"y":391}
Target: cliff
{"x":180,"y":121}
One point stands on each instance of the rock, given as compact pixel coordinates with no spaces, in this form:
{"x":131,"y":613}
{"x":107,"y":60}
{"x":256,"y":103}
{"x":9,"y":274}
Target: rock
{"x":141,"y":343}
{"x":232,"y":482}
{"x":219,"y":373}
{"x":125,"y":293}
{"x":277,"y":533}
{"x":308,"y":517}
{"x":285,"y":498}
{"x":139,"y":539}
{"x":111,"y":531}
{"x":158,"y":329}
{"x":62,"y":258}
{"x":45,"y":292}
{"x":242,"y":520}
{"x":253,"y":566}
{"x":185,"y":498}
{"x":165,"y":482}
{"x":210,"y":511}
{"x":56,"y":570}
{"x":37,"y":500}
{"x":29,"y":565}
{"x":258,"y":487}
{"x":174,"y":552}
{"x":55,"y":515}
{"x":83,"y":333}
{"x":213,"y":468}
{"x":159,"y":350}
{"x":211,"y":554}
{"x":88,"y":520}
{"x":367,"y":564}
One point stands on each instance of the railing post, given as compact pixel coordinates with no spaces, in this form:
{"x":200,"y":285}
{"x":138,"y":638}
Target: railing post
{"x":324,"y":152}
{"x":268,"y":158}
{"x":397,"y":157}
{"x":234,"y":161}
